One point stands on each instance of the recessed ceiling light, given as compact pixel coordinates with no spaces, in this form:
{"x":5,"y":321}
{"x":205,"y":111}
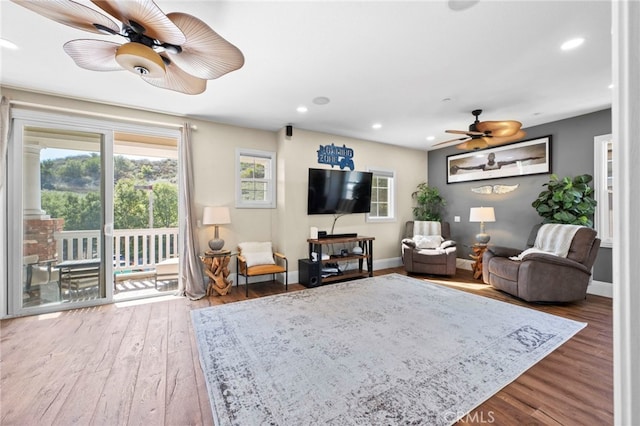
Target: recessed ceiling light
{"x":460,"y":5}
{"x":7,"y":44}
{"x":302,"y":109}
{"x":431,"y":138}
{"x":321,"y":100}
{"x":376,"y":126}
{"x":572,"y":44}
{"x":610,"y":86}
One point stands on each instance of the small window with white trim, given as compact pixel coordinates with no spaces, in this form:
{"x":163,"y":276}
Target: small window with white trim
{"x":382,"y":196}
{"x":255,"y":179}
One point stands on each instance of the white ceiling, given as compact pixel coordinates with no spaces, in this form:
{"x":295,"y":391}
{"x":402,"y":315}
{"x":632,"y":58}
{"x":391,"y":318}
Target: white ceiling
{"x":390,"y":62}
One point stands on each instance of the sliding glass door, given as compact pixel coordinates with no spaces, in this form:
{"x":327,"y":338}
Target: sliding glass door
{"x":59,"y":211}
{"x":92,"y":212}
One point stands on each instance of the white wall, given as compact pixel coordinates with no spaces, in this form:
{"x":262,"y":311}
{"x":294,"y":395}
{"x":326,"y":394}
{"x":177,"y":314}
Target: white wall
{"x":299,"y":153}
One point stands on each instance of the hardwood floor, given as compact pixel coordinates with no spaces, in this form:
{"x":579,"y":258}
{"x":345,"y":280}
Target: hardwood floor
{"x":137,"y":363}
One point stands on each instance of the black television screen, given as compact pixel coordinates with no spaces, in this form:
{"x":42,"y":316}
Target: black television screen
{"x":339,"y":191}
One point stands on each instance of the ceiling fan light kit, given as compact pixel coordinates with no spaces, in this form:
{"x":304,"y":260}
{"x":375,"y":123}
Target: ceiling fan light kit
{"x":176,"y":51}
{"x":140,"y":59}
{"x":483,"y":134}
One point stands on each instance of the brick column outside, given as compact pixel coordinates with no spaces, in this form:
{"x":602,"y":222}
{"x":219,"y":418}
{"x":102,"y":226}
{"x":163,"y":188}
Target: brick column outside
{"x":39,"y":237}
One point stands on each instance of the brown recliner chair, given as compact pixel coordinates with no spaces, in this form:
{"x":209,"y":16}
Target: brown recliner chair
{"x":433,"y":261}
{"x":541,"y":277}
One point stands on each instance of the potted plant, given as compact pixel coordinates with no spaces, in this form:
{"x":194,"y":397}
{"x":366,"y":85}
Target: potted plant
{"x":429,"y":201}
{"x":567,"y":201}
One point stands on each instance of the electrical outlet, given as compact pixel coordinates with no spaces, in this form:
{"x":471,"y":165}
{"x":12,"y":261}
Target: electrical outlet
{"x":456,"y":218}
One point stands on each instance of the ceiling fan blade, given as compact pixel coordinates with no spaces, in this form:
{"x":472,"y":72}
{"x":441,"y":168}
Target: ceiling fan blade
{"x":70,"y":13}
{"x":501,"y":141}
{"x":205,"y":54}
{"x":178,"y":80}
{"x":465,"y":132}
{"x":499,"y":128}
{"x":147,"y":14}
{"x":451,"y":140}
{"x":94,"y":55}
{"x":473,"y":144}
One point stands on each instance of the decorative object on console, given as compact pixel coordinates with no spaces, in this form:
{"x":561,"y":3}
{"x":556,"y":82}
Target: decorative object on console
{"x":495,"y":189}
{"x":482,"y":215}
{"x":313,"y":232}
{"x":216,"y":216}
{"x":175,"y":51}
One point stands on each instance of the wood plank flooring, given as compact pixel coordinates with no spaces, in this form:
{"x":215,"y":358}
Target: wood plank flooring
{"x":126,"y":364}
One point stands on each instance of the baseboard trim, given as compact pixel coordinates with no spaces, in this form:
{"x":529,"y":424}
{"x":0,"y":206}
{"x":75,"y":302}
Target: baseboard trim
{"x":393,"y":262}
{"x":464,"y":264}
{"x":601,"y":288}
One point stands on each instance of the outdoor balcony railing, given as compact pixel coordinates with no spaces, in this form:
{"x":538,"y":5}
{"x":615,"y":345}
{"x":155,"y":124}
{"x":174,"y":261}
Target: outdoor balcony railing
{"x":133,"y":249}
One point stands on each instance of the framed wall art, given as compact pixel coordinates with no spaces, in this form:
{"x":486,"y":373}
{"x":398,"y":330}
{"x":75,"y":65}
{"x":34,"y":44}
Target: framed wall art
{"x":529,"y":157}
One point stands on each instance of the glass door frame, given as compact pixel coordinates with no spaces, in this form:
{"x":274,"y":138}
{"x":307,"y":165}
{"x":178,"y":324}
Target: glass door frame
{"x":22,"y":118}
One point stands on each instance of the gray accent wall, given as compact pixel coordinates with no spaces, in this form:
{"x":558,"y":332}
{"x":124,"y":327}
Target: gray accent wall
{"x":572,"y":151}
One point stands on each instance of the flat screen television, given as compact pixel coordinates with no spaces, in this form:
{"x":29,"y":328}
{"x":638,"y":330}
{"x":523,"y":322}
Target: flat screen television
{"x":339,"y":191}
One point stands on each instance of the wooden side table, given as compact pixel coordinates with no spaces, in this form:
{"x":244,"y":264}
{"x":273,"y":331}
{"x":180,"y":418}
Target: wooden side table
{"x":217,"y":269}
{"x":478,"y":252}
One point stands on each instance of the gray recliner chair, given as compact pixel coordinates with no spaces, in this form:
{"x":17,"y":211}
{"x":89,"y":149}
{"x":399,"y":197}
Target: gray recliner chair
{"x":440,"y":260}
{"x":541,"y":277}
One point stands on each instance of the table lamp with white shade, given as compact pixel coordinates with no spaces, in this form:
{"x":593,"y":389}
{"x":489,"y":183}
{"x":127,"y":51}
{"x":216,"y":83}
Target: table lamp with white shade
{"x":482,"y":215}
{"x":216,"y":216}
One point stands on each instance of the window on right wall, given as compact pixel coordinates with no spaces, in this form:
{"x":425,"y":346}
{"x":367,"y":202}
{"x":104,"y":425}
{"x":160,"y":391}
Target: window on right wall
{"x":603,"y":186}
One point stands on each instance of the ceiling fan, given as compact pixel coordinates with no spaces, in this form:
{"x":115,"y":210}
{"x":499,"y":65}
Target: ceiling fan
{"x":175,"y":51}
{"x":483,"y":134}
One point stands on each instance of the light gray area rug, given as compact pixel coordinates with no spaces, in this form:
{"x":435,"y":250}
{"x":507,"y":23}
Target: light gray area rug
{"x":389,"y":350}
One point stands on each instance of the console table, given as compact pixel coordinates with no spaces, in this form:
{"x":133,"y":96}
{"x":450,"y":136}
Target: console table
{"x":318,"y":245}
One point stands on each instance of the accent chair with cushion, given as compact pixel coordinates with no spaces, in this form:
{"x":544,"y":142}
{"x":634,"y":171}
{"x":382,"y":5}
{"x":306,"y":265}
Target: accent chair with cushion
{"x":428,"y":249}
{"x":557,"y":270}
{"x":258,"y":258}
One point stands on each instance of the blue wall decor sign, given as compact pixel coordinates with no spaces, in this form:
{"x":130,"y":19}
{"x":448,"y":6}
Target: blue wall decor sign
{"x":336,"y":156}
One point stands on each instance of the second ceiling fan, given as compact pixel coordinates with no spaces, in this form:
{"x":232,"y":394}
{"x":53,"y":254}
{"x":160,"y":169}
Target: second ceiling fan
{"x":483,"y":134}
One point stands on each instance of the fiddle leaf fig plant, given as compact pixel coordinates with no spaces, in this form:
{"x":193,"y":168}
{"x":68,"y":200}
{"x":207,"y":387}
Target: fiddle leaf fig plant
{"x":567,"y":200}
{"x":429,"y":203}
